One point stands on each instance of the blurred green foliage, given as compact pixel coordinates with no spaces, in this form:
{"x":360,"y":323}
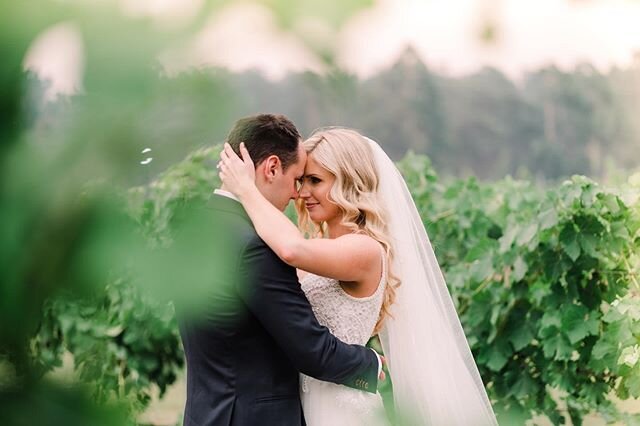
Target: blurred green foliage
{"x":49,"y":404}
{"x":122,"y":343}
{"x":84,"y":268}
{"x":95,"y":244}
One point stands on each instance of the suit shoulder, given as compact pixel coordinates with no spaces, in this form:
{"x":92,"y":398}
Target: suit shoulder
{"x":237,"y":226}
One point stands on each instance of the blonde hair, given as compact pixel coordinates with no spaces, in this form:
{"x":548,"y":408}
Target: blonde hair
{"x":347,"y":155}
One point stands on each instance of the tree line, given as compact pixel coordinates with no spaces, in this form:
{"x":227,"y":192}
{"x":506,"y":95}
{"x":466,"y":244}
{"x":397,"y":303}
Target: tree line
{"x":550,"y":125}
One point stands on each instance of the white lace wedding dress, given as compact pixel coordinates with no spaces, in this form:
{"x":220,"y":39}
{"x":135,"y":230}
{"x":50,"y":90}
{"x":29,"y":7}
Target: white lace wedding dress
{"x":435,"y":378}
{"x":351,"y":320}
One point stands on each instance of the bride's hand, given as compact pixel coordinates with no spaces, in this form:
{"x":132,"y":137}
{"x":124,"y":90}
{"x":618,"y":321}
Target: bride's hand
{"x":237,"y":175}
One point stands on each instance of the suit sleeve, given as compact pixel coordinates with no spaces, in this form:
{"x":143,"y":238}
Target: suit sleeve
{"x":273,"y":294}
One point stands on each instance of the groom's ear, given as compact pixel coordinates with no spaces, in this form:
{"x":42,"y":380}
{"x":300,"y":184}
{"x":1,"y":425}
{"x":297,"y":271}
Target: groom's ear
{"x":271,"y":167}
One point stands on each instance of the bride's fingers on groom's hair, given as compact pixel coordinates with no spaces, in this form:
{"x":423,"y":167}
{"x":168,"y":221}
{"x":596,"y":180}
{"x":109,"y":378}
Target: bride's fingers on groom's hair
{"x":246,"y":157}
{"x":227,"y":151}
{"x":227,"y":156}
{"x":224,"y":154}
{"x":243,"y":151}
{"x":230,"y":152}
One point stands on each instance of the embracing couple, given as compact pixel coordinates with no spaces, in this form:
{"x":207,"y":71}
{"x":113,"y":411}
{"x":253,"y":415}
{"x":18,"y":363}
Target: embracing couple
{"x":283,"y":343}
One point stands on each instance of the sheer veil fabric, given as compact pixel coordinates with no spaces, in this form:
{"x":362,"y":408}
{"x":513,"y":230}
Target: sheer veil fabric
{"x":434,"y":376}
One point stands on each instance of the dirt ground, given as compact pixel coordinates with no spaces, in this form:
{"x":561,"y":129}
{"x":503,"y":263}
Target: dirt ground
{"x":168,"y":411}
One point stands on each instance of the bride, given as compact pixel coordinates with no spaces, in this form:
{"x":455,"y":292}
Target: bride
{"x":367,"y":268}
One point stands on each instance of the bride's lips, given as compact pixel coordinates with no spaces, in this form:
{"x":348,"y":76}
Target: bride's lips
{"x":309,"y":206}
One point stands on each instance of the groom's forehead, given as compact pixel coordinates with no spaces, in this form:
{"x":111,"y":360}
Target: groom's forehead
{"x":302,"y":156}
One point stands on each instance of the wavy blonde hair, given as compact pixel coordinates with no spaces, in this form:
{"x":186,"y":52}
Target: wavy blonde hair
{"x":347,"y":155}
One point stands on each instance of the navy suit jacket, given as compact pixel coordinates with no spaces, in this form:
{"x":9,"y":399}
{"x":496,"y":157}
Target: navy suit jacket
{"x":245,"y":351}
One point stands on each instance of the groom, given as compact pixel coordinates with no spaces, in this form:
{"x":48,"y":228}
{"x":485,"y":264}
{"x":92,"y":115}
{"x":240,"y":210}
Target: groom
{"x":245,"y":354}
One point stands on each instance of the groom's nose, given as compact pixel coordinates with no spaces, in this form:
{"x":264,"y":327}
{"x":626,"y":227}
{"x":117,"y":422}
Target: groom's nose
{"x":295,"y":194}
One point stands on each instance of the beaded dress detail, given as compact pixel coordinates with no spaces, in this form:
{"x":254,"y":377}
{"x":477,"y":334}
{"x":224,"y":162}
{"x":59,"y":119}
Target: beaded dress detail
{"x":352,"y":320}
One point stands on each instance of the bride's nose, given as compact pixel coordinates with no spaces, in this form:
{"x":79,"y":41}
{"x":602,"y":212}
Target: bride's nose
{"x":303,"y":192}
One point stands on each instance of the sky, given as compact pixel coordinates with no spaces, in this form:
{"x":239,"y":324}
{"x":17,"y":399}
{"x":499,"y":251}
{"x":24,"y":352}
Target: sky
{"x":529,"y":34}
{"x":445,"y":34}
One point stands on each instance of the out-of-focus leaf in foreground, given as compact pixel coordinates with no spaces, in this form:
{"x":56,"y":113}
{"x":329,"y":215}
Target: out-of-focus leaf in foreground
{"x":95,"y":244}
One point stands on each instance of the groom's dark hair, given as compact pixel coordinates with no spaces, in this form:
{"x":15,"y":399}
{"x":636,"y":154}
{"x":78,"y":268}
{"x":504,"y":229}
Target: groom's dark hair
{"x":265,"y":135}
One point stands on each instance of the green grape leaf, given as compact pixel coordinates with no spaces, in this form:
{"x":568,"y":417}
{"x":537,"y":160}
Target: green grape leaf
{"x":539,"y":290}
{"x":632,"y":382}
{"x":521,"y":337}
{"x":551,"y":319}
{"x":611,"y":202}
{"x":481,"y":269}
{"x":527,"y":234}
{"x":629,"y":356}
{"x":571,"y":246}
{"x":557,"y":347}
{"x":577,"y":324}
{"x":524,"y":386}
{"x":520,"y":268}
{"x":479,"y":251}
{"x":506,"y":241}
{"x":589,"y":244}
{"x":603,"y":348}
{"x":548,"y":219}
{"x":589,"y":195}
{"x":498,"y":355}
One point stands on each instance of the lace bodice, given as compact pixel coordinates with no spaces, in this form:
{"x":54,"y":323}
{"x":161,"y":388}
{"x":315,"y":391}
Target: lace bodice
{"x":350,"y":319}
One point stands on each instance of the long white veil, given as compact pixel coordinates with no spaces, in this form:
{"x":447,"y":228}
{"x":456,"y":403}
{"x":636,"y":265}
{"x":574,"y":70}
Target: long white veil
{"x":435,"y":379}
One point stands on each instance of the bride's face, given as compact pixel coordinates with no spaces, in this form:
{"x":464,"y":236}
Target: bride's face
{"x":316,"y":184}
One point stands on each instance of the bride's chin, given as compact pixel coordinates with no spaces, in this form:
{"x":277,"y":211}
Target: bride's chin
{"x":314,"y":216}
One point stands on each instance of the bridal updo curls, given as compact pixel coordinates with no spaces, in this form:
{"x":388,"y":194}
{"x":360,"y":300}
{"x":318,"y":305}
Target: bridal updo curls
{"x":347,"y":155}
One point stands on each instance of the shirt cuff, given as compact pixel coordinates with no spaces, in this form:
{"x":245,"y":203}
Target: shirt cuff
{"x":379,"y":361}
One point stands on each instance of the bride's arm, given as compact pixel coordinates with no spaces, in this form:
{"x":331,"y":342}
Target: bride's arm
{"x":301,"y":274}
{"x":347,"y":258}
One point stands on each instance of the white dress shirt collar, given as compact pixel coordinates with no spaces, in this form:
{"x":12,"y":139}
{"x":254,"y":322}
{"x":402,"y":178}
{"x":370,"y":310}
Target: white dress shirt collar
{"x":225,"y":194}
